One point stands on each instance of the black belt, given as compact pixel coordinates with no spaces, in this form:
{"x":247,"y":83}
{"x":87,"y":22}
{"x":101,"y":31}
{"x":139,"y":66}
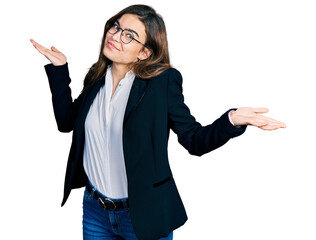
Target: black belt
{"x":107,"y":203}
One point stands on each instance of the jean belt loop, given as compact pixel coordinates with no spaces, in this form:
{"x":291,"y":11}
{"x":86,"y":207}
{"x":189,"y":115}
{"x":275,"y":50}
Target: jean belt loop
{"x":92,"y":192}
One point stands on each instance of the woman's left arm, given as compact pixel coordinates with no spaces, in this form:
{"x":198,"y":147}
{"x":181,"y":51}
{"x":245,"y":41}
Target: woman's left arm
{"x":198,"y":139}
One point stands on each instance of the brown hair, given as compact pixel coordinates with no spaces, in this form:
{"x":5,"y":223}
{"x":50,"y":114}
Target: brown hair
{"x":156,"y":41}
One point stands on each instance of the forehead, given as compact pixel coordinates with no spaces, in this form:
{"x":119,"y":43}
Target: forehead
{"x":131,"y":21}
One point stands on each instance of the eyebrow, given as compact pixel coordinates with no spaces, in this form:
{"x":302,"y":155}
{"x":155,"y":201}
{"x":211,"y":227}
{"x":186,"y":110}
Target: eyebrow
{"x":131,"y":30}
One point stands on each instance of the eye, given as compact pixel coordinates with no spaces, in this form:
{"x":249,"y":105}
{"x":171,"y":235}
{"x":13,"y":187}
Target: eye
{"x":116,"y":27}
{"x":129,"y":35}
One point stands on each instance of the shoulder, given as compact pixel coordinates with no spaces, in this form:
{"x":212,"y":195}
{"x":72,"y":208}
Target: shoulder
{"x":169,"y":74}
{"x":169,"y":80}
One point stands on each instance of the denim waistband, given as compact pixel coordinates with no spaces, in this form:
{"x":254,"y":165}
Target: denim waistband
{"x":102,"y":195}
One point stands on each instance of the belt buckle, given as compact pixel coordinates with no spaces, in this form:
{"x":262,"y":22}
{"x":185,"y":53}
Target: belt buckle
{"x":103,"y":204}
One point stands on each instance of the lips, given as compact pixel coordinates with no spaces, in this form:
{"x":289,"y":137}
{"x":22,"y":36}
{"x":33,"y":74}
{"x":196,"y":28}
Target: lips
{"x":112,"y":46}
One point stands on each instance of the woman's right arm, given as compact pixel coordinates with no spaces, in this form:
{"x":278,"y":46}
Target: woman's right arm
{"x":65,"y":109}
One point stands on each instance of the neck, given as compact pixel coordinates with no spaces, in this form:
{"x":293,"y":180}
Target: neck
{"x":119,"y":71}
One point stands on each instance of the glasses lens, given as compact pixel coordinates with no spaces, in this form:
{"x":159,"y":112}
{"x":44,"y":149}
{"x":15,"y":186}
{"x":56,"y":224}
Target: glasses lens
{"x":114,"y":29}
{"x":127,"y":36}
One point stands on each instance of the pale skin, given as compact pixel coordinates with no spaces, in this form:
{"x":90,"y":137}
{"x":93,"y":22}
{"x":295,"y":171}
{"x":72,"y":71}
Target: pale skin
{"x":122,"y":55}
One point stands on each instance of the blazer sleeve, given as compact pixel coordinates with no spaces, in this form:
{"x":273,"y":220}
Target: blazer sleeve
{"x":197,"y":139}
{"x":65,"y":109}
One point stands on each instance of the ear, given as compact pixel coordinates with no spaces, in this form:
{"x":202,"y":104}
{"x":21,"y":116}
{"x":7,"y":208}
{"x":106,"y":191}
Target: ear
{"x":144,"y":54}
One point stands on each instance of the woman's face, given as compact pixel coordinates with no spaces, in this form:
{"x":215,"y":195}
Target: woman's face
{"x":121,"y":53}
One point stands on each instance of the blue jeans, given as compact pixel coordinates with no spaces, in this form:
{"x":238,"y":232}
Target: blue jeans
{"x":102,"y":224}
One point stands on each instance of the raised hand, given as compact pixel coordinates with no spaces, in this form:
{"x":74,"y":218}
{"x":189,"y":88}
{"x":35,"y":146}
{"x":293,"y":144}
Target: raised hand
{"x":56,"y":57}
{"x":252,"y":116}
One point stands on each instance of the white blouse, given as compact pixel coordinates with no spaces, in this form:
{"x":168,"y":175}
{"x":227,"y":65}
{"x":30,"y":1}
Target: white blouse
{"x":103,"y":157}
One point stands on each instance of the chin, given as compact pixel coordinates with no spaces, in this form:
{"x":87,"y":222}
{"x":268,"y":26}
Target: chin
{"x":116,"y":57}
{"x":108,"y":55}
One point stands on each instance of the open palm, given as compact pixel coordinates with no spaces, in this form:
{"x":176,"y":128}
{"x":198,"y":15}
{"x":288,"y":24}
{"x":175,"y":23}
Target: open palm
{"x":56,"y":57}
{"x":252,"y":116}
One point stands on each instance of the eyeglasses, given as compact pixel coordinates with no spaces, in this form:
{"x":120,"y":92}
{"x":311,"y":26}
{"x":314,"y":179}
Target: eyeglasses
{"x":126,"y":35}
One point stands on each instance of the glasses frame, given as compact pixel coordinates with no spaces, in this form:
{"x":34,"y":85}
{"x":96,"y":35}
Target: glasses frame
{"x":123,"y":30}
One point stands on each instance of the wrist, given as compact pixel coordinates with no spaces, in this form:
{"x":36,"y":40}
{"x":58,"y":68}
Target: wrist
{"x":232,"y":118}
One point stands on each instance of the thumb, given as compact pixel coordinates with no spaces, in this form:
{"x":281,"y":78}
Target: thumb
{"x":261,"y":110}
{"x":54,"y":49}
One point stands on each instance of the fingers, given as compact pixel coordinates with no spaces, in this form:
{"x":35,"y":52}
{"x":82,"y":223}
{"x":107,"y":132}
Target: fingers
{"x":36,"y":45}
{"x":263,"y":122}
{"x":33,"y":42}
{"x":53,"y":55}
{"x":273,"y":123}
{"x":266,"y":123}
{"x":273,"y":126}
{"x":43,"y":50}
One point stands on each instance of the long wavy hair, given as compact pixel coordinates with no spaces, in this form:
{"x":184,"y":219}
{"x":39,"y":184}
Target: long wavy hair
{"x":156,"y":41}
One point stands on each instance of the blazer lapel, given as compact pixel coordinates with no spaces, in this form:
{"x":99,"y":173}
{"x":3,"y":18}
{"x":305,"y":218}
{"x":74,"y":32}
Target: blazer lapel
{"x":137,"y":93}
{"x":90,"y":95}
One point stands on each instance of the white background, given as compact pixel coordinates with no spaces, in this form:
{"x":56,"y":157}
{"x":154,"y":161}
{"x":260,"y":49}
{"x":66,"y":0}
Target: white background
{"x":231,"y":54}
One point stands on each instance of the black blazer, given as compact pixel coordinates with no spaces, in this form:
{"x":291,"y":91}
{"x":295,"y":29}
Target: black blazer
{"x":154,"y":107}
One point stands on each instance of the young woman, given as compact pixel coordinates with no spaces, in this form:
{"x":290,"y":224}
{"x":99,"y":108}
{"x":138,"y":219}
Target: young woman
{"x":131,"y":99}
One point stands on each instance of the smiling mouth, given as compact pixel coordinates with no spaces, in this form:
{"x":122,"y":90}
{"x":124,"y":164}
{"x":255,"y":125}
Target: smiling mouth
{"x":112,"y":46}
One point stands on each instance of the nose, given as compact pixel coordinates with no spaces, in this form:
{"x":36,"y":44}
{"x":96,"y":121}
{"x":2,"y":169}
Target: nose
{"x":117,"y":36}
